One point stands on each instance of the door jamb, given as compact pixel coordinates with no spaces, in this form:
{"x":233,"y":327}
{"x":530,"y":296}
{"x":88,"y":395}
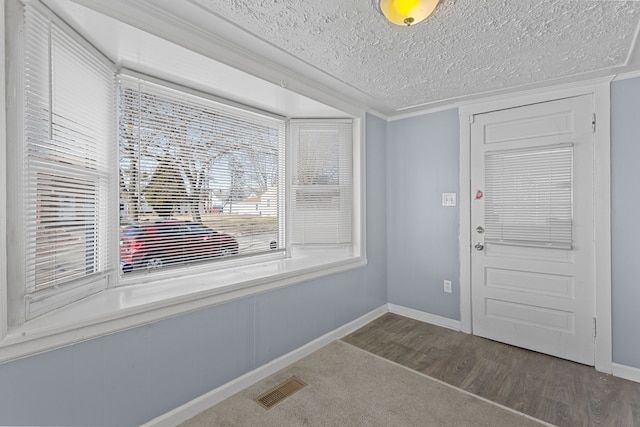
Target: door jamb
{"x":599,"y":89}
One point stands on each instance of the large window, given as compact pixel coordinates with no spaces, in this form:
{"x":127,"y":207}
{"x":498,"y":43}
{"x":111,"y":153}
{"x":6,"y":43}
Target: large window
{"x":126,"y":179}
{"x":199,"y":180}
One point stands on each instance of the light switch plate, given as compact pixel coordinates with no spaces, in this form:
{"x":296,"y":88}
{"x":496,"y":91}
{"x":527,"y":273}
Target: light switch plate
{"x":447,"y":286}
{"x":448,"y":199}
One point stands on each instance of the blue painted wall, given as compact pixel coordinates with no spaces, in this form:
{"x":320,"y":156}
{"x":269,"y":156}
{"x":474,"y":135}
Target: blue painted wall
{"x":131,"y":377}
{"x":422,"y":235}
{"x":625,"y":216}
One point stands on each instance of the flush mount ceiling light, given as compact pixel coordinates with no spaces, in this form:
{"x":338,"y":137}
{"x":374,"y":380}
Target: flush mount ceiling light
{"x":407,"y":12}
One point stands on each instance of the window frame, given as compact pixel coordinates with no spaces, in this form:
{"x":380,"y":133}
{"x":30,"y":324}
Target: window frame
{"x":294,"y":141}
{"x":139,"y":277}
{"x":124,"y":307}
{"x":37,"y":302}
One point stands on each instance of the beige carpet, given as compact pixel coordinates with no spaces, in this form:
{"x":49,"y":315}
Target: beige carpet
{"x":350,"y":387}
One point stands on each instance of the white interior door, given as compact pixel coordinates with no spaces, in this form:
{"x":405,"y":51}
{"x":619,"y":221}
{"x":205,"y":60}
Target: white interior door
{"x":532,"y":229}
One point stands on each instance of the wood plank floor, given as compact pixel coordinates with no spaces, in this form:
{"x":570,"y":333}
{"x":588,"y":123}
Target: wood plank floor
{"x":557,"y":391}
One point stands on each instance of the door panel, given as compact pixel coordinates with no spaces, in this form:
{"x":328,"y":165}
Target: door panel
{"x":535,"y":294}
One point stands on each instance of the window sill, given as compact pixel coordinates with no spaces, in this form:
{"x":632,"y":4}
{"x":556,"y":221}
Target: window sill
{"x":129,"y":306}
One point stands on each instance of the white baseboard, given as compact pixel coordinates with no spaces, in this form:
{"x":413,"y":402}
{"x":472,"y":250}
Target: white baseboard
{"x":627,"y":372}
{"x":422,"y":316}
{"x":621,"y":371}
{"x":199,"y":404}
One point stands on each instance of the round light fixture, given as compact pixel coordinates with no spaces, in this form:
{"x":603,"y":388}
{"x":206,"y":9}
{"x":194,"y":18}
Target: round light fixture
{"x":407,"y":12}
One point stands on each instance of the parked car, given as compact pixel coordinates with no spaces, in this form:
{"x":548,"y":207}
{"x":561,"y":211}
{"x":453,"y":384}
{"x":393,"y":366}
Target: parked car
{"x":154,"y":245}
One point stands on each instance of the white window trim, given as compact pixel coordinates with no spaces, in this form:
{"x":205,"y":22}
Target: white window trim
{"x":3,"y":183}
{"x":42,"y":301}
{"x":126,"y":307}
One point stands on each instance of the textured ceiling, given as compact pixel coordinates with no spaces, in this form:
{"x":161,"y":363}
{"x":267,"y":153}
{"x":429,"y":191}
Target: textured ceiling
{"x":467,"y":47}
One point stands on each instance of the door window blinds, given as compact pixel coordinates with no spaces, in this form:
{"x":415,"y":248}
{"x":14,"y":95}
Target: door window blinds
{"x":529,"y":196}
{"x":189,"y":162}
{"x":321,"y":182}
{"x":69,"y":122}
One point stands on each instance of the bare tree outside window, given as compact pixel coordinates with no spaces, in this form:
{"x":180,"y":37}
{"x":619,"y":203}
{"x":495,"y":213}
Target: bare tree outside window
{"x":182,"y":158}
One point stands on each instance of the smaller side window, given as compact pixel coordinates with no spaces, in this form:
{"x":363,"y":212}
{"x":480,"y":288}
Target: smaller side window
{"x":321,"y":190}
{"x":67,"y":159}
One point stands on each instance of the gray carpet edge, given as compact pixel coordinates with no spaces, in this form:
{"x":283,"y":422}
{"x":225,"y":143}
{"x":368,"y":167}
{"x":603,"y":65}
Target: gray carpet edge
{"x":444,"y":383}
{"x":420,"y":404}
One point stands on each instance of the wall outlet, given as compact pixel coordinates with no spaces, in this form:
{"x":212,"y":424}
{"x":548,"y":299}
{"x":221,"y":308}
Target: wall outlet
{"x":447,"y":286}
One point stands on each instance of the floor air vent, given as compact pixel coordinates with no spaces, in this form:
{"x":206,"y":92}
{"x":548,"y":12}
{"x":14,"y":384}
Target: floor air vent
{"x":277,"y":394}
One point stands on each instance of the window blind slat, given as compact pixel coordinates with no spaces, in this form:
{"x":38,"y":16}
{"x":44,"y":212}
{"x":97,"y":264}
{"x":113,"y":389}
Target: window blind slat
{"x":529,"y":196}
{"x":193,"y":171}
{"x":69,"y":104}
{"x":321,"y":192}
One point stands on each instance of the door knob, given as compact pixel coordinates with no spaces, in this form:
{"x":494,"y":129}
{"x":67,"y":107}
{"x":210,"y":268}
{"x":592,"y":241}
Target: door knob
{"x":479,"y":246}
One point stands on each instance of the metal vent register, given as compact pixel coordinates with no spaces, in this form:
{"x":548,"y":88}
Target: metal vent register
{"x":280,"y":392}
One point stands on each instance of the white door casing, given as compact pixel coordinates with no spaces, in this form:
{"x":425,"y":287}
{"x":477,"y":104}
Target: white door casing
{"x":598,"y":90}
{"x":526,"y":292}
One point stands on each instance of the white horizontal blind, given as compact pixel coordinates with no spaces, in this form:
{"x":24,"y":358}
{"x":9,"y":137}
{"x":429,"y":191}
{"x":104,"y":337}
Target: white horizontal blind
{"x":529,"y":196}
{"x":199,"y":180}
{"x":69,"y":127}
{"x":321,"y":182}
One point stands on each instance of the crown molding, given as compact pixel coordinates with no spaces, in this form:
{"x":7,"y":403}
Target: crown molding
{"x":627,"y":75}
